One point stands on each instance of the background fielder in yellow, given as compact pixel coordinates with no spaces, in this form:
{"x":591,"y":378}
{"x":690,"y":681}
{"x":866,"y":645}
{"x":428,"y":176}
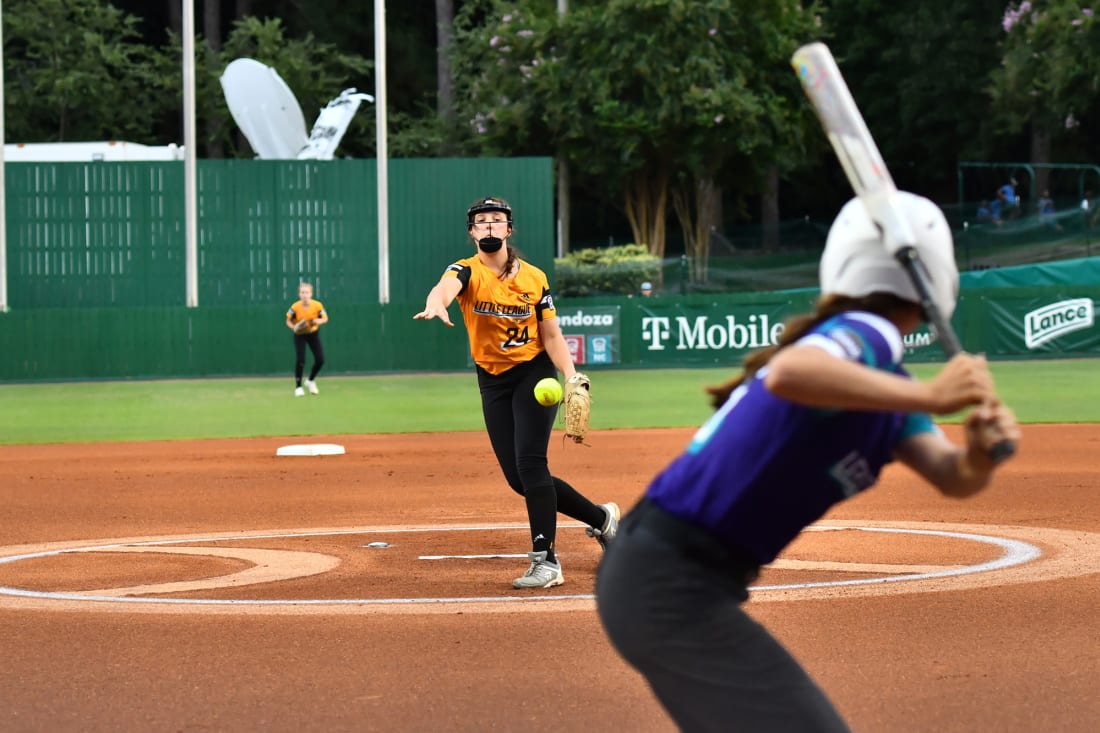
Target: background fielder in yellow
{"x":305,"y":318}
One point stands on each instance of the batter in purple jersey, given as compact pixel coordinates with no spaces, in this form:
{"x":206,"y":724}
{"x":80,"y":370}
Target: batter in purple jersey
{"x":808,"y":423}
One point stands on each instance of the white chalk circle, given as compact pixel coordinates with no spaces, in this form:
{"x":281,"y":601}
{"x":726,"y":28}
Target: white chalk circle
{"x":1063,"y":554}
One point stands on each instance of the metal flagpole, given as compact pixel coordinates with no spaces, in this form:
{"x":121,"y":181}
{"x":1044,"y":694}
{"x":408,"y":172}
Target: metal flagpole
{"x":382,"y":165}
{"x":191,"y":218}
{"x":563,"y":179}
{"x":3,"y":181}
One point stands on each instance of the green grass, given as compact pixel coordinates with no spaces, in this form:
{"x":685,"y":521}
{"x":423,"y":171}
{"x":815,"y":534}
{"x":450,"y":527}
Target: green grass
{"x":1060,"y":391}
{"x":1039,"y":391}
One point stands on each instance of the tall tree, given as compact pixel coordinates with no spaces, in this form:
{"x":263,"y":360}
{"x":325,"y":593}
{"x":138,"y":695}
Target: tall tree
{"x":650,"y":97}
{"x":785,"y":134}
{"x":76,"y":70}
{"x":212,"y":23}
{"x":918,"y":72}
{"x":445,"y":85}
{"x":313,"y":70}
{"x":1049,"y":81}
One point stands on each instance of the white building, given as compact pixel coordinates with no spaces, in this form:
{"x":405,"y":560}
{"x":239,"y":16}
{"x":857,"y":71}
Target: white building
{"x":112,"y":150}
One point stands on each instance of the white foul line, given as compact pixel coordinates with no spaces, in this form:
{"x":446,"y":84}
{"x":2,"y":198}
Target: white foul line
{"x":471,"y":557}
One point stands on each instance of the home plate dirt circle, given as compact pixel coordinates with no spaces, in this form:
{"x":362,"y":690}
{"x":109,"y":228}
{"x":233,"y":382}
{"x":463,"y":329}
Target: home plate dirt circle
{"x":181,"y":574}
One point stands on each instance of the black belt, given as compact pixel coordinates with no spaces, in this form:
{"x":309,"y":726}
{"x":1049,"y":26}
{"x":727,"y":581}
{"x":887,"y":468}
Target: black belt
{"x":695,"y":542}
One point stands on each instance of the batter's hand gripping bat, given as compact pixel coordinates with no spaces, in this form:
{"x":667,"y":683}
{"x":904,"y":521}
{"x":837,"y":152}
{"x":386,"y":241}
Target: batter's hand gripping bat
{"x":871,"y":181}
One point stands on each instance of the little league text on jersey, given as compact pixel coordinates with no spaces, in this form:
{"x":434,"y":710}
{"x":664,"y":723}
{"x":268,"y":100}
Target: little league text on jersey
{"x":489,"y":308}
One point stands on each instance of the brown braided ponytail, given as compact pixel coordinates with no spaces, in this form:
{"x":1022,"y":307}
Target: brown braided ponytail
{"x":513,"y":255}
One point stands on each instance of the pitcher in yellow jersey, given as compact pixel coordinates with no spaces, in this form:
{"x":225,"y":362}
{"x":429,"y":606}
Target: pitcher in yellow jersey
{"x":515,"y":341}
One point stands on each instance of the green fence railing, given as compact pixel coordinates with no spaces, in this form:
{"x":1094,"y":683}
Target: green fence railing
{"x":1028,"y":313}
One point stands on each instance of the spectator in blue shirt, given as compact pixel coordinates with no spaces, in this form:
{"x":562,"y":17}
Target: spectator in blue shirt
{"x":997,"y":207}
{"x":1011,"y":200}
{"x":1047,"y":213}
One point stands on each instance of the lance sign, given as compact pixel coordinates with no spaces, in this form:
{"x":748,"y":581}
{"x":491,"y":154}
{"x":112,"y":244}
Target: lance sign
{"x":1057,"y":319}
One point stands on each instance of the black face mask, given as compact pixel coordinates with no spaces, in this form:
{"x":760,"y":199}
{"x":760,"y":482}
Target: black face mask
{"x":490,"y":244}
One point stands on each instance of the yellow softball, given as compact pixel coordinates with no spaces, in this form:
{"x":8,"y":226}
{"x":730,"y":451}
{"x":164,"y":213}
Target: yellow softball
{"x":548,"y":391}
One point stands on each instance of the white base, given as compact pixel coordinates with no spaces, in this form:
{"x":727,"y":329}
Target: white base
{"x":311,"y":449}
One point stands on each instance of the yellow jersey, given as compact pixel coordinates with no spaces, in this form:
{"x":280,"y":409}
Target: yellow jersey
{"x":300,"y":312}
{"x":502,"y":316}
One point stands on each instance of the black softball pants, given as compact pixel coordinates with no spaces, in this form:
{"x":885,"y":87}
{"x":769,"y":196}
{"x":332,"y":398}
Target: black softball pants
{"x":313,"y":340}
{"x":670,"y":601}
{"x":519,"y":430}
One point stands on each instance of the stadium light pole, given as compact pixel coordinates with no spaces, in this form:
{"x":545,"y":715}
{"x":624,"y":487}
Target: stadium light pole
{"x":563,"y":178}
{"x":382,"y":156}
{"x":3,"y":182}
{"x":190,"y":204}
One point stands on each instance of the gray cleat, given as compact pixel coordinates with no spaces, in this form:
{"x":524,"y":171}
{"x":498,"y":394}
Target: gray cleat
{"x":541,"y":574}
{"x":606,"y":534}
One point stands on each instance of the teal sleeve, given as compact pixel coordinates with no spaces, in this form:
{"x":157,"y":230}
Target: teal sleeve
{"x":915,"y":424}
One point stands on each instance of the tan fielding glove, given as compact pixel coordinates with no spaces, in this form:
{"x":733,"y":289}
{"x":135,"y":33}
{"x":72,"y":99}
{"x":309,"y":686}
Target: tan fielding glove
{"x":578,"y":405}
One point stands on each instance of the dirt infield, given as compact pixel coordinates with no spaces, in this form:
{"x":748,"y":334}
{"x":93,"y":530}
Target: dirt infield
{"x":210,"y":585}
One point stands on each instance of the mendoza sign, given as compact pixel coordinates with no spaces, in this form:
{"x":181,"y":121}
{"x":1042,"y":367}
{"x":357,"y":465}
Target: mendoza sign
{"x":593,"y":333}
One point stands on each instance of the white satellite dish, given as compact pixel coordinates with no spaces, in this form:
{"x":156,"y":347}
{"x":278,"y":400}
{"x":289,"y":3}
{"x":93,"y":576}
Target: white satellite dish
{"x":264,"y":108}
{"x":270,"y":117}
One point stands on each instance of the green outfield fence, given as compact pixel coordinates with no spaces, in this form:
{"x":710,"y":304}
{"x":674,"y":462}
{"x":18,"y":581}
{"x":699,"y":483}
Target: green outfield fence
{"x":93,"y":235}
{"x":1030,"y":312}
{"x":96,"y":276}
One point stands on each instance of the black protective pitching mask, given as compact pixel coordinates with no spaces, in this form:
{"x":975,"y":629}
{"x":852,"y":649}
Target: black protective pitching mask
{"x":490,"y":244}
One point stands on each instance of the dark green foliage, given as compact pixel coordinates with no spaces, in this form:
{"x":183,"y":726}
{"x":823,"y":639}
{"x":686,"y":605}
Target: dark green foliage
{"x":609,"y":270}
{"x":76,"y":70}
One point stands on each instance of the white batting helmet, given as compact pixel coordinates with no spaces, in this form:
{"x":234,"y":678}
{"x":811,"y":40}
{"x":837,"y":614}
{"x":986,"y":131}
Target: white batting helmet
{"x":856,"y":263}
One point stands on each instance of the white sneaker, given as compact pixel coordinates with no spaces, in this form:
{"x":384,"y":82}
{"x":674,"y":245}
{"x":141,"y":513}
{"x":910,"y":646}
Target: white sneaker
{"x":299,"y":392}
{"x":541,"y":574}
{"x":311,"y":386}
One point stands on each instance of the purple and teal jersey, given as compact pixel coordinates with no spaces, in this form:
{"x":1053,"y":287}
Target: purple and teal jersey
{"x":762,"y":468}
